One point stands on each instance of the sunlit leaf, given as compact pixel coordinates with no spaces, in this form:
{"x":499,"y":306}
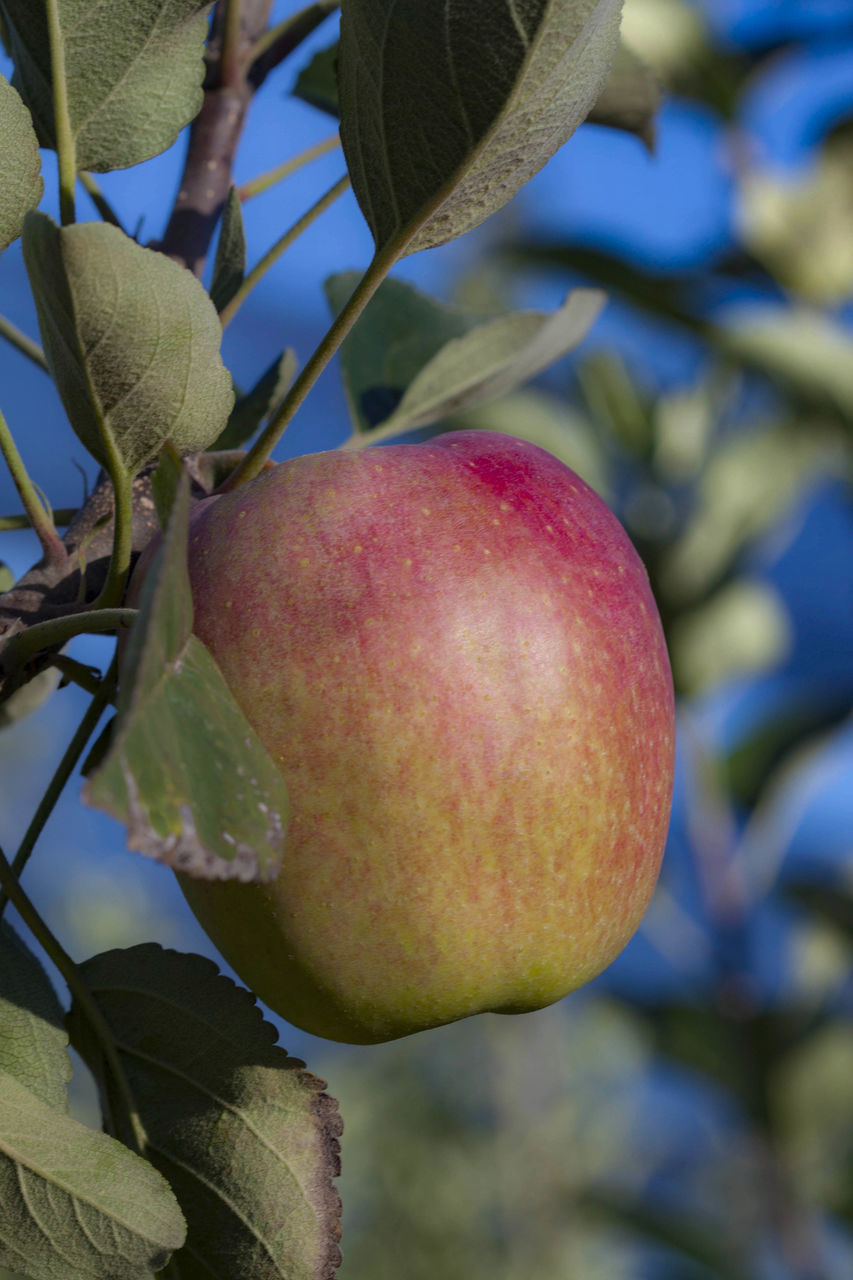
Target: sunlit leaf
{"x":21,"y":183}
{"x":229,"y":265}
{"x":185,"y":772}
{"x":32,"y":1034}
{"x":132,"y":340}
{"x":77,"y":1205}
{"x":244,"y":1133}
{"x":630,"y":99}
{"x":412,"y":360}
{"x":133,"y":68}
{"x":449,"y":106}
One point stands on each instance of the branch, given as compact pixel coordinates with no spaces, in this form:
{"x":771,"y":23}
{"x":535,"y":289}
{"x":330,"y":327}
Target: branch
{"x":47,"y":592}
{"x":214,"y":135}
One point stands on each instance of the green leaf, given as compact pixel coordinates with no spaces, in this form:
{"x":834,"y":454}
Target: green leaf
{"x":21,"y":184}
{"x":412,"y":360}
{"x":253,"y":409}
{"x":631,"y":97}
{"x":229,"y":266}
{"x":133,"y":68}
{"x":32,"y":1033}
{"x":834,"y":905}
{"x":27,"y":698}
{"x":7,"y":578}
{"x":165,"y":479}
{"x":244,"y":1133}
{"x":186,"y":773}
{"x":697,"y":1244}
{"x":132,"y":340}
{"x":317,"y":84}
{"x":449,"y":106}
{"x":77,"y":1205}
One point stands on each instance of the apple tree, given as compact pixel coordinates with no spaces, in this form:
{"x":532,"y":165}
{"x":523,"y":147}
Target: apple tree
{"x":219,"y":1151}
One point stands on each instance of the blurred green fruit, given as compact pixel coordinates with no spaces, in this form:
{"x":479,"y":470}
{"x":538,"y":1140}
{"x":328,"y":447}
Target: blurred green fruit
{"x":452,"y":650}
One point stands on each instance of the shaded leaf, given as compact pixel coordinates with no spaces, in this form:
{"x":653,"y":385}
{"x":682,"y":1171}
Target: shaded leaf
{"x":317,"y":84}
{"x":751,"y":762}
{"x":133,"y":68}
{"x":449,"y":106}
{"x":834,"y":905}
{"x":32,"y":1033}
{"x":28,"y":697}
{"x":132,"y":340}
{"x":631,"y":97}
{"x":253,"y":409}
{"x":229,"y":265}
{"x":244,"y":1133}
{"x":99,"y":748}
{"x":77,"y":1205}
{"x":186,"y":773}
{"x":730,"y":1044}
{"x":412,"y":360}
{"x":21,"y":184}
{"x":697,"y":1244}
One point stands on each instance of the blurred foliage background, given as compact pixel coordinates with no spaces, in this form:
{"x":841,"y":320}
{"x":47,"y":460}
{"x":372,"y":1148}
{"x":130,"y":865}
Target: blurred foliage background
{"x":691,"y":1113}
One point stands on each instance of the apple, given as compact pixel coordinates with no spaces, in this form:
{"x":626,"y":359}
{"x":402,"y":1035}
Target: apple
{"x":452,"y":651}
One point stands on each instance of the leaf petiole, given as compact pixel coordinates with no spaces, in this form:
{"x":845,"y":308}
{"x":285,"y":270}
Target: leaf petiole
{"x":63,"y":516}
{"x":65,"y":145}
{"x":263,"y":182}
{"x":102,"y":697}
{"x":272,"y":255}
{"x":41,"y":522}
{"x":261,"y":450}
{"x":279,"y":41}
{"x":58,"y":631}
{"x":22,"y":343}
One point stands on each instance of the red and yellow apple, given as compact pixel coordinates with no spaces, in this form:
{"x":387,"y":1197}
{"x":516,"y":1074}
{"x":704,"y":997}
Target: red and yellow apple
{"x":452,"y":651}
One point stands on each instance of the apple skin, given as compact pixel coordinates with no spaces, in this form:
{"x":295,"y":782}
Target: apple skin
{"x":453,"y":652}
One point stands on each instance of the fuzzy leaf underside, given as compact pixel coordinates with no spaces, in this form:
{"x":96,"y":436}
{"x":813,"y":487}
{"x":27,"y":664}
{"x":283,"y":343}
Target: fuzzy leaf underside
{"x":412,"y":360}
{"x":448,"y":107}
{"x":132,"y":340}
{"x":629,"y":101}
{"x":21,"y":183}
{"x":244,"y":1133}
{"x":33,"y":1039}
{"x":185,"y":771}
{"x":133,"y":69}
{"x":77,"y":1205}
